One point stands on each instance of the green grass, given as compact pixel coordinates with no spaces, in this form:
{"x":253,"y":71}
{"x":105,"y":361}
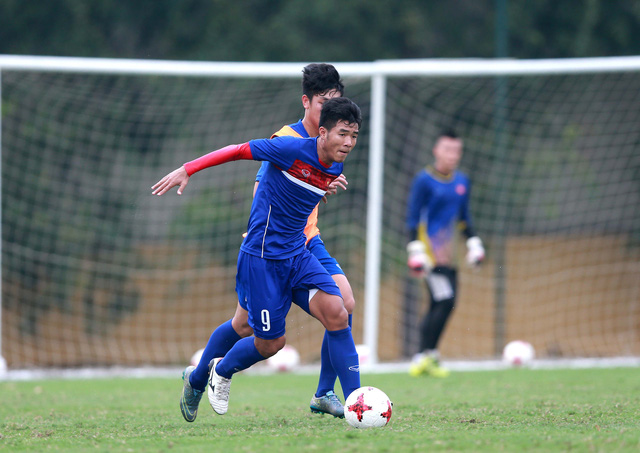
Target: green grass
{"x":508,"y":410}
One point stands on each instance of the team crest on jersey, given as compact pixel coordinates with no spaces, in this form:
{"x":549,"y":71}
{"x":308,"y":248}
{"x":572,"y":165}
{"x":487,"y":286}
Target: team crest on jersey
{"x":461,"y":189}
{"x":309,"y":174}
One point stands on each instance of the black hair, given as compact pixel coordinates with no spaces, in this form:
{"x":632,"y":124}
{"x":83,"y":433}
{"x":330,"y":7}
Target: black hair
{"x":448,"y":132}
{"x":339,"y":109}
{"x":320,"y":78}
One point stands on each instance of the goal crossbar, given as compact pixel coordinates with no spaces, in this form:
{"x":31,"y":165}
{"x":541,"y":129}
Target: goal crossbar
{"x":395,"y":68}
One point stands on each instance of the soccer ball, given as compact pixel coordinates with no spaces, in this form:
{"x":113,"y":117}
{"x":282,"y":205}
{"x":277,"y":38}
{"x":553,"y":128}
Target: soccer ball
{"x":518,"y":353}
{"x":368,"y":407}
{"x":286,"y":359}
{"x":195,"y":358}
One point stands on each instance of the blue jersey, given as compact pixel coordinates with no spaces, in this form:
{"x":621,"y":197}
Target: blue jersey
{"x":299,"y":129}
{"x":439,"y":202}
{"x":287,"y":194}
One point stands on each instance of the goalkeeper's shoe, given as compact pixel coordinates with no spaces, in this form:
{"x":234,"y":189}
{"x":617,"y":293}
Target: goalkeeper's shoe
{"x":429,"y":366}
{"x":190,"y":398}
{"x":218,"y":391}
{"x":327,"y":404}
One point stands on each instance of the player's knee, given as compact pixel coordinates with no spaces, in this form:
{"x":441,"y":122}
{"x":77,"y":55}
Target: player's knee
{"x":336,"y":315}
{"x":346,"y":291}
{"x":242,"y":327}
{"x":268,"y":348}
{"x":349,"y":303}
{"x":240,"y":322}
{"x":329,"y":310}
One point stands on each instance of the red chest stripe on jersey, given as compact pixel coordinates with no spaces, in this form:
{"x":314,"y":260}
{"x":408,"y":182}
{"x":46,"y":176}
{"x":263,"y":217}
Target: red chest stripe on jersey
{"x":310,"y":175}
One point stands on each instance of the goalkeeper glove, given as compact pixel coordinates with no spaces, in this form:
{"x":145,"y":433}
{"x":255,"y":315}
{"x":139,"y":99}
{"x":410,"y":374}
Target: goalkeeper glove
{"x":475,"y":251}
{"x":420,"y":264}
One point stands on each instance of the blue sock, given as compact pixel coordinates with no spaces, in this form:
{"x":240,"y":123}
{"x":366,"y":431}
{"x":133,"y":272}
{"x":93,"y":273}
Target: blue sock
{"x":241,"y":356}
{"x":344,"y":359}
{"x":220,"y":342}
{"x":328,"y":375}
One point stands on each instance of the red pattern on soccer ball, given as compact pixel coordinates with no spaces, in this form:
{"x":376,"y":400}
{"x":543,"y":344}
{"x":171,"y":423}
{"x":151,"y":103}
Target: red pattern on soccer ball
{"x":359,"y":407}
{"x":387,"y":413}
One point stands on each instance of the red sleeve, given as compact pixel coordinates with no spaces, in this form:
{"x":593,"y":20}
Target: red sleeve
{"x":221,"y":156}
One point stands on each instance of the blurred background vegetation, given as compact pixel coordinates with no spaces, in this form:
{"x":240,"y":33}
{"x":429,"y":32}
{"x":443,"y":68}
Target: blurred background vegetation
{"x":327,"y":30}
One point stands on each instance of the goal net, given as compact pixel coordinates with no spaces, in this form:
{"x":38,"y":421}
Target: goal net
{"x":555,"y":167}
{"x":97,"y":271}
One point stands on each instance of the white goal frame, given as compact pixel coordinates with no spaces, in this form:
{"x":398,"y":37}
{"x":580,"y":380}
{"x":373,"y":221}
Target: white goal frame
{"x":377,"y":71}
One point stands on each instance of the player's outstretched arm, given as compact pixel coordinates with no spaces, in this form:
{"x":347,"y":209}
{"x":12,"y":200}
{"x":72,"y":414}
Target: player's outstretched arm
{"x":177,"y":177}
{"x":180,"y":176}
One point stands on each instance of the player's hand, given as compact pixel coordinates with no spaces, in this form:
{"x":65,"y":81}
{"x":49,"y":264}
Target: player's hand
{"x":419,"y":263}
{"x":339,"y":182}
{"x":177,"y":177}
{"x":475,"y":251}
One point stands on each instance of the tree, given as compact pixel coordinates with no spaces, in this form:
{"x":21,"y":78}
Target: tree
{"x":292,"y":30}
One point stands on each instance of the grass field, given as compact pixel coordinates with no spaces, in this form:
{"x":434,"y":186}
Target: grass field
{"x":506,"y":410}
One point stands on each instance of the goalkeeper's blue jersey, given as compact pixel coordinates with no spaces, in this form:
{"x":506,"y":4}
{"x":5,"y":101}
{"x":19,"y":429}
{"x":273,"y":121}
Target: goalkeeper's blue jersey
{"x":439,"y":202}
{"x":288,"y":191}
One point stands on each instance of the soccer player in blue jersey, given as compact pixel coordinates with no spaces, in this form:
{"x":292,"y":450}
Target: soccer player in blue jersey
{"x":320,"y":82}
{"x":438,"y":203}
{"x":274,"y":264}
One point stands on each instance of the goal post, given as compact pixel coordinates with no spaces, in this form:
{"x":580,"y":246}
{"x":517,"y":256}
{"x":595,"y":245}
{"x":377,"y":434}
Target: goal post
{"x":98,"y":272}
{"x":3,"y":361}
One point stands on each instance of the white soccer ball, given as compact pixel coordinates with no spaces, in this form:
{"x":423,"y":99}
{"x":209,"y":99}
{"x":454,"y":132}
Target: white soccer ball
{"x":195,"y":358}
{"x":368,"y":407}
{"x":285,"y":360}
{"x":518,"y":353}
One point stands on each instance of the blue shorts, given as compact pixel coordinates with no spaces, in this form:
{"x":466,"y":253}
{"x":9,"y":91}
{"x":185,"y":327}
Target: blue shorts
{"x":266,"y":287}
{"x":317,"y":248}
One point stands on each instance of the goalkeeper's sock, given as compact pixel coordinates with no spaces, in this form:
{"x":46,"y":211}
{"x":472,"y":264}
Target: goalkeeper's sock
{"x":344,"y":359}
{"x":241,"y":356}
{"x":328,"y":375}
{"x":220,"y":342}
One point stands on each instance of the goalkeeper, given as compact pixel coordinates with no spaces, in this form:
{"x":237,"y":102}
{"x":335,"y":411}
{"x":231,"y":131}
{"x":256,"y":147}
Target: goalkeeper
{"x":439,"y":201}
